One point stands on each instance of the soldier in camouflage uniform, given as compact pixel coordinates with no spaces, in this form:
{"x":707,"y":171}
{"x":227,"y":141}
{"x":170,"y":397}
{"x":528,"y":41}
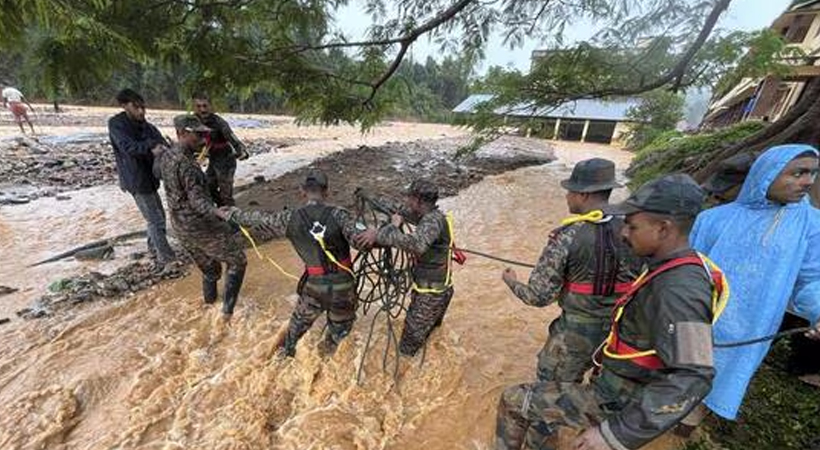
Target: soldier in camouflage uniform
{"x":321,"y":234}
{"x":430,"y":243}
{"x":584,"y":266}
{"x":224,"y":148}
{"x":657,"y":361}
{"x":209,"y":240}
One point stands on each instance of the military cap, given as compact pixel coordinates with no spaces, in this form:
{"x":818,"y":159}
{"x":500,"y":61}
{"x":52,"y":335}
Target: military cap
{"x":315,"y":178}
{"x":676,"y":195}
{"x":189,"y":122}
{"x":591,"y":175}
{"x":423,"y":189}
{"x":730,"y":173}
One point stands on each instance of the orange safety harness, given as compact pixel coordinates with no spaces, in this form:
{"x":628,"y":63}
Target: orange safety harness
{"x":615,"y":348}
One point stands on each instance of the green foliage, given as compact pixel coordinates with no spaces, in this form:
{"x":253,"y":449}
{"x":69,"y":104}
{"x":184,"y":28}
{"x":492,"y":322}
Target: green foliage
{"x":669,"y":153}
{"x":292,"y":53}
{"x":659,"y":112}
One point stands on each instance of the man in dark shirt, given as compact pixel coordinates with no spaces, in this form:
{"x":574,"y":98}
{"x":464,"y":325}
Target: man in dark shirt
{"x":208,"y":239}
{"x":136,"y":143}
{"x":584,"y":267}
{"x":224,"y":148}
{"x":657,"y":360}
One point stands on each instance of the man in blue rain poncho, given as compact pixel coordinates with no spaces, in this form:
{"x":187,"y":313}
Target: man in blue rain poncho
{"x":768,"y":244}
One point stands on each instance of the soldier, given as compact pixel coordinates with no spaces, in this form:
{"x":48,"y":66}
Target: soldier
{"x":321,"y":234}
{"x":431,"y":244}
{"x":209,"y":240}
{"x":657,"y":359}
{"x":224,"y":148}
{"x":584,"y":266}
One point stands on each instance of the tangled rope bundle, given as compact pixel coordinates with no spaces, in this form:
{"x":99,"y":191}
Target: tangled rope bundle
{"x":382,"y":282}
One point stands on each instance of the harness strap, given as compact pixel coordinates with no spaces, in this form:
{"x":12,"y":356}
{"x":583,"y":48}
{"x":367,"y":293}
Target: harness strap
{"x":614,"y":348}
{"x":589,"y":288}
{"x":448,"y":281}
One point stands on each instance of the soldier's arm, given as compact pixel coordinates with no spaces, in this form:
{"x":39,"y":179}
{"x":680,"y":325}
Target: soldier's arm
{"x":547,"y":278}
{"x":681,"y":332}
{"x":348,"y":224}
{"x":417,"y":242}
{"x":198,"y":197}
{"x":274,"y":223}
{"x":229,"y":135}
{"x":390,"y":205}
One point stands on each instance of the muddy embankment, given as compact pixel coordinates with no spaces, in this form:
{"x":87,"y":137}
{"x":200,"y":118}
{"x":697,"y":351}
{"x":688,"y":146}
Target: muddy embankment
{"x":384,"y":169}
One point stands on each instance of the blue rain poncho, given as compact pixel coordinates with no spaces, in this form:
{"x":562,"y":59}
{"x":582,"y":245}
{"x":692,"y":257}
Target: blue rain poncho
{"x":770,"y":254}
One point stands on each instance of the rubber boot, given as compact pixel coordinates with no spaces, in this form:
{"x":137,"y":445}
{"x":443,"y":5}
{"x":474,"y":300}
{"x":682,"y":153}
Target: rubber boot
{"x":233,"y":284}
{"x":209,"y":290}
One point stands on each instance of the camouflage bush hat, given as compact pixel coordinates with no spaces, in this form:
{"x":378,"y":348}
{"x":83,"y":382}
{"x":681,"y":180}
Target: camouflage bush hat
{"x":189,"y":122}
{"x":675,"y":195}
{"x":423,"y":189}
{"x":591,"y":175}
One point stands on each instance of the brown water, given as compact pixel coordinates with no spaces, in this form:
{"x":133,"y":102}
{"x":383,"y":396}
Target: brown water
{"x":159,"y":371}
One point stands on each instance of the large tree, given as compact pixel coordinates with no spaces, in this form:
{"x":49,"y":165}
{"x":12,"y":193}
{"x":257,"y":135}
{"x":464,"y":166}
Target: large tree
{"x":294,"y":46}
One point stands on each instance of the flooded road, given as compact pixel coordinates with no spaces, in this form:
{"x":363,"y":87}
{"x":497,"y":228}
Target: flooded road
{"x":157,"y":371}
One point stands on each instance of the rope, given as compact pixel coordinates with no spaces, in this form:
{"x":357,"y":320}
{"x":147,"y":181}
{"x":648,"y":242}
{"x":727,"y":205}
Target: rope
{"x":382,"y":281}
{"x":260,"y":255}
{"x":770,"y":337}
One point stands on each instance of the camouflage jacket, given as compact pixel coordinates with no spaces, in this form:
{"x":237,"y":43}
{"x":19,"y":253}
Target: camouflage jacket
{"x":671,"y":314}
{"x":190,"y":206}
{"x":428,"y":243}
{"x":222,"y":135}
{"x":581,"y":253}
{"x":291,"y":224}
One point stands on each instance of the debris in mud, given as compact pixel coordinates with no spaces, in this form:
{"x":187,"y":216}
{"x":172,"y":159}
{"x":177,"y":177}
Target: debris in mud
{"x":5,"y":290}
{"x":67,"y":292}
{"x":50,"y":165}
{"x":389,"y":168}
{"x":4,"y":320}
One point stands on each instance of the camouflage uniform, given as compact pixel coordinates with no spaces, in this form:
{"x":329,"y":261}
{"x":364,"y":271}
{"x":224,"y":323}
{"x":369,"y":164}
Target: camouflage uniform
{"x":583,"y":267}
{"x":430,"y":244}
{"x":209,"y":240}
{"x":657,"y":364}
{"x":324,"y":287}
{"x":631,"y":404}
{"x":224,"y":148}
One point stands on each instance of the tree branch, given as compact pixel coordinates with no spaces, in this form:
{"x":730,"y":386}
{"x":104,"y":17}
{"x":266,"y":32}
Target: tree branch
{"x":679,"y":70}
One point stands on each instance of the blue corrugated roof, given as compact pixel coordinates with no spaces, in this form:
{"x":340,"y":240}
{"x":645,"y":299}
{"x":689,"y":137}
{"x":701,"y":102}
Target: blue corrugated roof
{"x":579,"y":109}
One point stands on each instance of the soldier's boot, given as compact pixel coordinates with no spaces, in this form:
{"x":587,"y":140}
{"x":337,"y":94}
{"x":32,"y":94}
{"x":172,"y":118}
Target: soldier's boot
{"x":336,"y":331}
{"x":209,"y":290}
{"x":233,"y":284}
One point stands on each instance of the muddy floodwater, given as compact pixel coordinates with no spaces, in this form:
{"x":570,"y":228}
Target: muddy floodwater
{"x":158,"y":370}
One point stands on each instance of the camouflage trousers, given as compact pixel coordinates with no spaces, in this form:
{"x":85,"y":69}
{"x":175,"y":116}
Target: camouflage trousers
{"x":567,"y":354}
{"x":219,"y":176}
{"x":209,"y":251}
{"x":529,"y":415}
{"x":425,"y":313}
{"x":318,"y":295}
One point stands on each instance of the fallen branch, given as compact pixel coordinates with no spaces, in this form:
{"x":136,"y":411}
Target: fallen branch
{"x":100,"y":243}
